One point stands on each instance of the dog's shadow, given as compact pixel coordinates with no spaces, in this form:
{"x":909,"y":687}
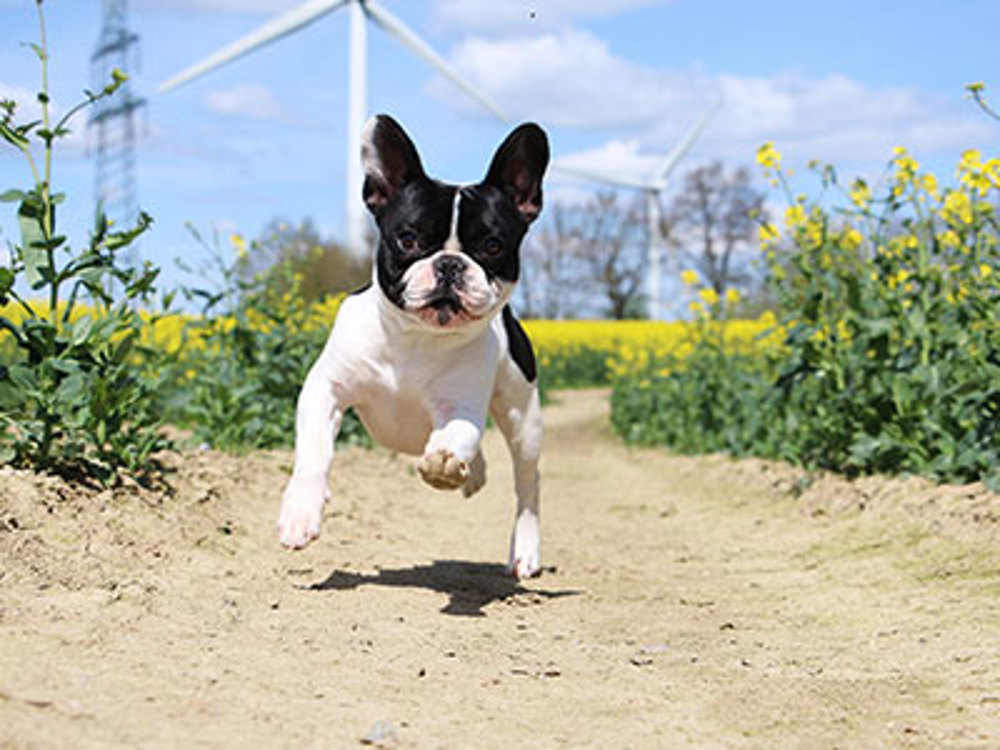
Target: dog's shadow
{"x":470,"y":586}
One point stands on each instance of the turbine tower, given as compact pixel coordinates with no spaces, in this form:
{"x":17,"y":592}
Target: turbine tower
{"x":651,"y":188}
{"x":357,"y":109}
{"x":113,"y":120}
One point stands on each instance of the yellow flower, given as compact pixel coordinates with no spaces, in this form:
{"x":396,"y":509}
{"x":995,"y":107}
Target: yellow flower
{"x":957,"y":208}
{"x":794,"y":216}
{"x":768,"y":157}
{"x":709,"y":296}
{"x":992,"y":170}
{"x":690,"y":278}
{"x":973,"y":173}
{"x":814,"y":231}
{"x":851,"y":239}
{"x":906,"y":170}
{"x":843,"y":331}
{"x":930,"y":185}
{"x":898,"y":278}
{"x":949,"y":239}
{"x":985,"y":270}
{"x":732,"y":296}
{"x":768,"y":234}
{"x":972,"y":161}
{"x":239,"y":244}
{"x":861,"y":194}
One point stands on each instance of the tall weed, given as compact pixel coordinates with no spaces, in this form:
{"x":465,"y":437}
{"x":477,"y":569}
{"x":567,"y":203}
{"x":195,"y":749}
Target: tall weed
{"x":72,"y":395}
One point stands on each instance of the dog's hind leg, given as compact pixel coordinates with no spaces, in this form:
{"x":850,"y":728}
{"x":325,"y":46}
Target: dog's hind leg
{"x":477,"y":476}
{"x":518,"y":414}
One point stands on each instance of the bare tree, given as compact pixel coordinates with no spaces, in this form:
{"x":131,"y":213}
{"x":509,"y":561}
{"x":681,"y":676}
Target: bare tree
{"x":324,"y":266}
{"x":710,"y":222}
{"x":546,"y":267}
{"x":584,"y":253}
{"x":610,"y":248}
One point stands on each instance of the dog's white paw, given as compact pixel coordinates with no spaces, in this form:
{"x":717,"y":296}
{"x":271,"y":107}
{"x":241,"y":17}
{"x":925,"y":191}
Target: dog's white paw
{"x":525,"y":559}
{"x":301,"y":513}
{"x":443,"y":470}
{"x":477,"y":476}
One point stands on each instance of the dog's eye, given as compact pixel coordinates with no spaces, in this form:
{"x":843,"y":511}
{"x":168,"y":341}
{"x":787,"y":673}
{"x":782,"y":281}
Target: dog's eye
{"x":407,"y":241}
{"x":493,"y":246}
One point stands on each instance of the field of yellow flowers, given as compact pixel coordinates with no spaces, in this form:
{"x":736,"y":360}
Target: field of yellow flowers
{"x":575,"y":353}
{"x":571,"y":353}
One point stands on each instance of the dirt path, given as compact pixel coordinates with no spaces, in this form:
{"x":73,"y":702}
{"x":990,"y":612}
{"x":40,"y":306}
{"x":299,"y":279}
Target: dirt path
{"x":688,"y":602}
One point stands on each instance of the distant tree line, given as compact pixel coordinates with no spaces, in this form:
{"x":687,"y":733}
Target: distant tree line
{"x":590,"y":259}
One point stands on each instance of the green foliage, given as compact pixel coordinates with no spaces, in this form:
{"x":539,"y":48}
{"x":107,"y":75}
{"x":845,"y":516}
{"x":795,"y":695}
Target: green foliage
{"x":704,"y":402}
{"x":236,"y":381}
{"x":573,"y":367}
{"x":891,"y":360}
{"x":72,"y":396}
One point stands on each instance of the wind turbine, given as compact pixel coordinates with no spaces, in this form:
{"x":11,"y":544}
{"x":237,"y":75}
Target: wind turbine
{"x":651,"y":187}
{"x":359,"y":11}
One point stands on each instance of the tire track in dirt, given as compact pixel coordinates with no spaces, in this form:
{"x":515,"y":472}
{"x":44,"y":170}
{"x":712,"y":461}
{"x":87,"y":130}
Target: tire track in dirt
{"x":688,"y":602}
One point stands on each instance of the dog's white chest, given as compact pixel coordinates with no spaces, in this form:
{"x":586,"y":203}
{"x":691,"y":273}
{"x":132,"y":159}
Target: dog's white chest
{"x":403,"y":382}
{"x":396,"y":420}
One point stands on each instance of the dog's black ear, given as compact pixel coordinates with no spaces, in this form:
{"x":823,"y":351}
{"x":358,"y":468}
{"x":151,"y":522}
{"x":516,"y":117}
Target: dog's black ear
{"x":389,"y":158}
{"x":518,"y":167}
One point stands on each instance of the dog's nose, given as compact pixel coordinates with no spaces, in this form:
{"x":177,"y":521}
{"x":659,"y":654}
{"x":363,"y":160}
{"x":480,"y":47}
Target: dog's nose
{"x":449,"y":268}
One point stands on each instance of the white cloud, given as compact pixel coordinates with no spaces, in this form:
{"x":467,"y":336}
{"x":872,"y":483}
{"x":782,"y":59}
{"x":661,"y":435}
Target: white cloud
{"x":622,"y":158}
{"x":492,"y":16}
{"x":248,"y":101}
{"x":570,"y":78}
{"x":837,"y":118}
{"x":27,"y":105}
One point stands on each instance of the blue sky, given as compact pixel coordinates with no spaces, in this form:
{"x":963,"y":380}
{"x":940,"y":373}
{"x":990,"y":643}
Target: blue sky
{"x":614,"y":83}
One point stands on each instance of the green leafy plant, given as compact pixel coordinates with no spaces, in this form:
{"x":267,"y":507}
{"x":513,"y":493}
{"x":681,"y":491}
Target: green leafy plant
{"x":236,"y":383}
{"x":891,"y":361}
{"x":703,"y":400}
{"x":72,"y":395}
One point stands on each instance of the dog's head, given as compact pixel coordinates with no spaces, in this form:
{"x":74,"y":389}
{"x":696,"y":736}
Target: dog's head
{"x":450,"y":254}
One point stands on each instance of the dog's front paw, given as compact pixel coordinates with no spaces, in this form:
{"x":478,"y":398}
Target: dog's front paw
{"x":301,"y":513}
{"x":443,"y":470}
{"x":525,"y":559}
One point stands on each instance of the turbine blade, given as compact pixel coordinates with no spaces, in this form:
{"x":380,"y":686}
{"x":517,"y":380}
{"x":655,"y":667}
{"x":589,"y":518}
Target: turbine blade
{"x":686,"y":142}
{"x":598,"y":176}
{"x":282,"y":25}
{"x":392,"y":25}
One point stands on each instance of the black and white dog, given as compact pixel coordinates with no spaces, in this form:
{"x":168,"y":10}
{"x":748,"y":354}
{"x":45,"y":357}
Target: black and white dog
{"x":431,"y":347}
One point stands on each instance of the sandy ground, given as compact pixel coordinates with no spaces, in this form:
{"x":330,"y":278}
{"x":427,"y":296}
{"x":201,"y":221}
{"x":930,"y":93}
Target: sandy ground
{"x":686,"y":602}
